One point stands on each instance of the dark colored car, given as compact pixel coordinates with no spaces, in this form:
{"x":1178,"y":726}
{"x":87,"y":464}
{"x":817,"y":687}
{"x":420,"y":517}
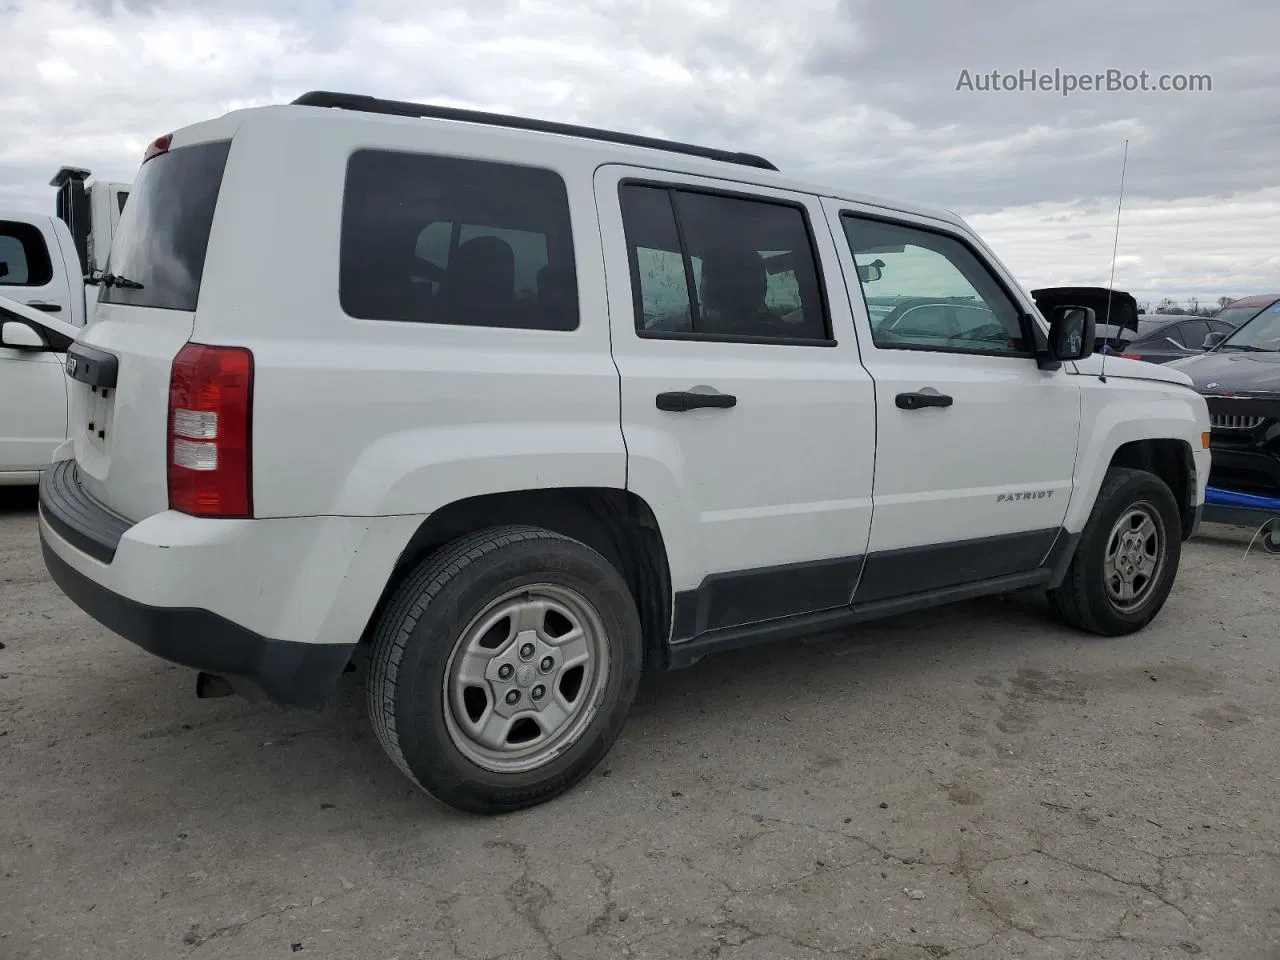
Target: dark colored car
{"x":1239,"y":312}
{"x":1163,"y":337}
{"x":1240,"y":379}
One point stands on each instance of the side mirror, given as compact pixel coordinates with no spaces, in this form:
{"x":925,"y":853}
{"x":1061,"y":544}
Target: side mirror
{"x":871,"y":272}
{"x":1071,"y":332}
{"x":21,"y":336}
{"x":1212,"y":340}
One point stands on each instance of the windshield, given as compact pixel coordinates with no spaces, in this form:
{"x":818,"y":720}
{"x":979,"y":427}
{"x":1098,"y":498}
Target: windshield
{"x":1237,"y":315}
{"x":1262,"y":333}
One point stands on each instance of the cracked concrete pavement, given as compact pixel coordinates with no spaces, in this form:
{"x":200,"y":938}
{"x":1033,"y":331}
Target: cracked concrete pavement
{"x":976,"y":783}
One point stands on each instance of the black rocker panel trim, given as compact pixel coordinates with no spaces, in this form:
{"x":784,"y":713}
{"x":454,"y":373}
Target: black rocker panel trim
{"x":751,"y":599}
{"x":733,"y":638}
{"x":749,"y":596}
{"x":895,"y":573}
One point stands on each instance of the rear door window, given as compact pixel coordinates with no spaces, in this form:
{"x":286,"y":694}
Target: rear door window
{"x":163,"y":233}
{"x":24,"y":258}
{"x":1193,"y":333}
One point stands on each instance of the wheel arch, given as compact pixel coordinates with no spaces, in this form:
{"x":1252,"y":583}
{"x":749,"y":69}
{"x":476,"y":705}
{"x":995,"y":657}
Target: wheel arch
{"x":1173,"y":462}
{"x":1131,"y":424}
{"x":617,"y":523}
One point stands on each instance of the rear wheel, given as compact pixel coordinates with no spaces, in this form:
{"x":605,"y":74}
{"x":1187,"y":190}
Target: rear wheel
{"x":1127,"y":558}
{"x":503,"y":668}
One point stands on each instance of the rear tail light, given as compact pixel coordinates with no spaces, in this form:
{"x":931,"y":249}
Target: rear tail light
{"x":1131,"y":356}
{"x":210,"y":431}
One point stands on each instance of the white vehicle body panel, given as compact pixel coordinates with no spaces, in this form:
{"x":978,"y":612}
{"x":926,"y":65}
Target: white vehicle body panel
{"x":33,"y":399}
{"x":362,"y":430}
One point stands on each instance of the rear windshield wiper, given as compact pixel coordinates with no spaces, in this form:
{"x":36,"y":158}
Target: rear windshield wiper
{"x":114,"y":280}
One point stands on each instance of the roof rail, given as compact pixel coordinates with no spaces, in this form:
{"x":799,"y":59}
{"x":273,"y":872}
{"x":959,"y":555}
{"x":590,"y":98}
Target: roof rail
{"x":401,"y":108}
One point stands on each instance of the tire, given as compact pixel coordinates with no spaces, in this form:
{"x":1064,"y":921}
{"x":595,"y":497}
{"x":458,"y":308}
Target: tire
{"x":1271,"y":536}
{"x":446,"y":732}
{"x":1084,"y":600}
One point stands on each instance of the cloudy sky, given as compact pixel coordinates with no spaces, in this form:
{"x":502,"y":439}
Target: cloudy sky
{"x":857,"y":92}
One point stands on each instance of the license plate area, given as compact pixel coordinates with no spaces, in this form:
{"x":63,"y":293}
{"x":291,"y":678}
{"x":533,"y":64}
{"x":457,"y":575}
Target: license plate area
{"x":99,"y":407}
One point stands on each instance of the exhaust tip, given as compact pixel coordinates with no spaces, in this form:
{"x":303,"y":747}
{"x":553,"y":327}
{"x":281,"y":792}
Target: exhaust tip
{"x":210,"y":685}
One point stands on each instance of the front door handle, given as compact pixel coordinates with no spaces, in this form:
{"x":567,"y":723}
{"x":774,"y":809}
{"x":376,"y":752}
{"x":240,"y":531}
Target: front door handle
{"x":45,"y":307}
{"x":922,"y":398}
{"x":678,"y":401}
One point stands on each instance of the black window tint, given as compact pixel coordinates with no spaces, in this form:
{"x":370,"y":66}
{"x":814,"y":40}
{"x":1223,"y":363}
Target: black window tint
{"x":1193,"y":333}
{"x":659,"y":283}
{"x":163,"y":234}
{"x":707,"y":264}
{"x":24,"y":256}
{"x":121,"y":197}
{"x":429,"y":239}
{"x":928,"y":291}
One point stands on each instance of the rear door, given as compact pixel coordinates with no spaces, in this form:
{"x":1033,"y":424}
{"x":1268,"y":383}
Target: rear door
{"x":31,"y":267}
{"x":749,"y":423}
{"x":119,"y":425}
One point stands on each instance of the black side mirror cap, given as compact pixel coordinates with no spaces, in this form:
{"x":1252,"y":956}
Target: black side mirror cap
{"x":1072,"y":331}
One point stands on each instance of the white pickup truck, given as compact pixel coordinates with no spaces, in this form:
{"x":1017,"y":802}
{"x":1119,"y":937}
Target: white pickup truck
{"x":47,"y":266}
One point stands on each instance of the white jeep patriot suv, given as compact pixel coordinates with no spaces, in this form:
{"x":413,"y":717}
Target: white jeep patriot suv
{"x":527,"y":408}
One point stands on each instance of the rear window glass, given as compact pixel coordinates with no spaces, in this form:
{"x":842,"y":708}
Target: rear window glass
{"x":24,"y":259}
{"x":430,"y":239}
{"x":163,"y":233}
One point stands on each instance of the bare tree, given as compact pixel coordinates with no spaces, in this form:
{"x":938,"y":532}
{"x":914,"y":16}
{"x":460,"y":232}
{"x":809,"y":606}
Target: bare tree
{"x":1224,"y":302}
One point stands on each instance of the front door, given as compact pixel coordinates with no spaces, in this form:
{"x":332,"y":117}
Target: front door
{"x":976,"y":445}
{"x":31,"y":269}
{"x":33,"y":399}
{"x":749,"y":422}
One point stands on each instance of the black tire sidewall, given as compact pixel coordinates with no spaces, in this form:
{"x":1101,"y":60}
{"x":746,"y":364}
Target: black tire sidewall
{"x":1135,"y":487}
{"x":425,"y":742}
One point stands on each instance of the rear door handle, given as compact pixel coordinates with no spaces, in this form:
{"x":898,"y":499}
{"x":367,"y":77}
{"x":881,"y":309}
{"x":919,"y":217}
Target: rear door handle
{"x":922,"y":398}
{"x":678,"y":401}
{"x":45,"y":307}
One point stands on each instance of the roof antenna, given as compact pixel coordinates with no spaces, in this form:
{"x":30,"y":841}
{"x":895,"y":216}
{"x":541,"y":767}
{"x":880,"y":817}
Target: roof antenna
{"x":1102,"y":369}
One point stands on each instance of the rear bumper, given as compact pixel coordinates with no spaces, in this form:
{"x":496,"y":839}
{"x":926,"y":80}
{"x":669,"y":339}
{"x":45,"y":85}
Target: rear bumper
{"x":276,"y":606}
{"x":281,"y":671}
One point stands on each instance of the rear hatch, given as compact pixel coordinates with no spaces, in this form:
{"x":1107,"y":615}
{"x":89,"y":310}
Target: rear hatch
{"x":145,"y":314}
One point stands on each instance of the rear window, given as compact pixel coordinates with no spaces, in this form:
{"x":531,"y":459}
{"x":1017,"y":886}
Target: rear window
{"x":24,"y":259}
{"x":431,"y":239}
{"x":163,"y":233}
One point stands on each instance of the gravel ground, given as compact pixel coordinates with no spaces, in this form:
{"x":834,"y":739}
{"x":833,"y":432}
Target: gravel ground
{"x":975,"y":783}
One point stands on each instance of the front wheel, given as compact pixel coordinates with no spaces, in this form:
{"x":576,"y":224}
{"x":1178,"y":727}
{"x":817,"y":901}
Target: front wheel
{"x":1127,"y":558}
{"x":503,"y":668}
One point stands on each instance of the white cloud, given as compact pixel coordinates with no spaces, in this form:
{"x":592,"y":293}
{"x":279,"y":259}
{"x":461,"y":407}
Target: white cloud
{"x":855,"y":93}
{"x":1206,"y":247}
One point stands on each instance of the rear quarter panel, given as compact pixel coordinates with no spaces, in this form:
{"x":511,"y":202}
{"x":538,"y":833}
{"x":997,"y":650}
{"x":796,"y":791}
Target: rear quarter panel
{"x":367,"y":418}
